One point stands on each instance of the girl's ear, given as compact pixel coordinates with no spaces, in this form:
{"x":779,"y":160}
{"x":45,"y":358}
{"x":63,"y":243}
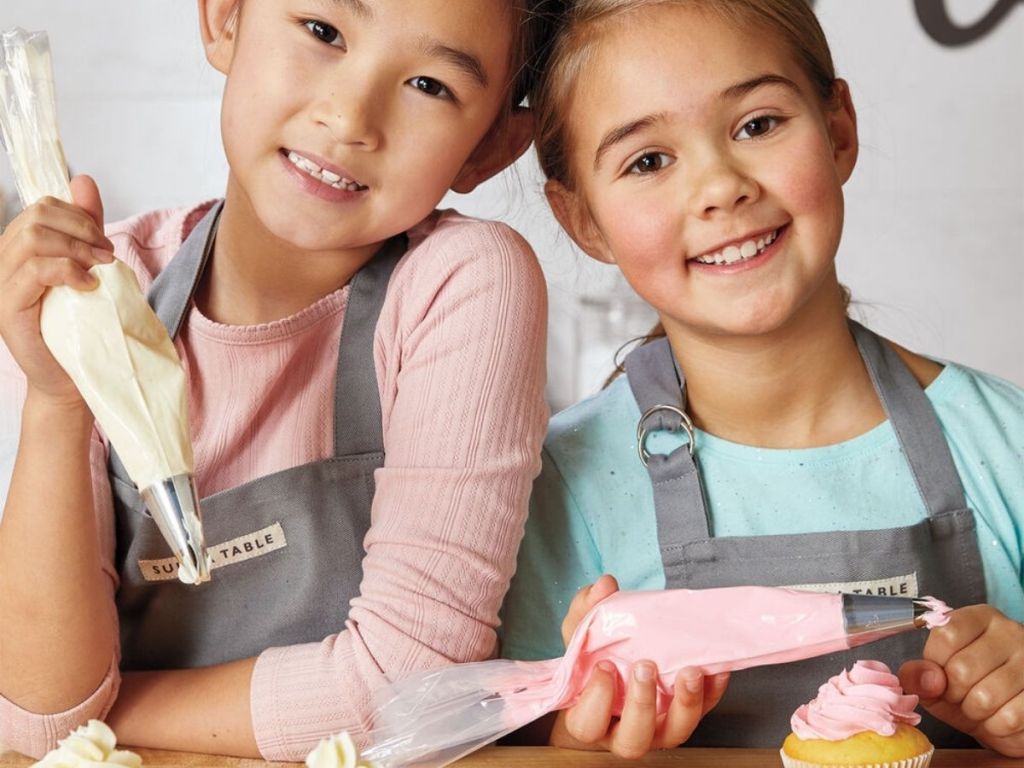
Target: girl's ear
{"x":218,"y":24}
{"x":502,"y":146}
{"x":841,"y":118}
{"x":574,"y":216}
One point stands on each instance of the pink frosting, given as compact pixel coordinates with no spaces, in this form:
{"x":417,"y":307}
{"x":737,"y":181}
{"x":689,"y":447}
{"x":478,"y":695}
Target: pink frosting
{"x":866,"y":698}
{"x":938,"y":612}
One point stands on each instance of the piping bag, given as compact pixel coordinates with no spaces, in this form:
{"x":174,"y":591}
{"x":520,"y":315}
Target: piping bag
{"x":108,"y":340}
{"x":433,"y":718}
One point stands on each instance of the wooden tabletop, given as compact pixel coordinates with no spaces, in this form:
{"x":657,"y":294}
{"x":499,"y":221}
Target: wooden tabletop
{"x":549,"y":757}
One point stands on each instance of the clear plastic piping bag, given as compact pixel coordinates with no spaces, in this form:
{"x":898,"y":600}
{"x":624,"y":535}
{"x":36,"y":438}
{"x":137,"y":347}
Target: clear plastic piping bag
{"x":108,"y":340}
{"x":434,"y":718}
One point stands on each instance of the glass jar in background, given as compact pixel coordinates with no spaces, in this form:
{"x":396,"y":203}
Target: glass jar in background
{"x":605,"y":321}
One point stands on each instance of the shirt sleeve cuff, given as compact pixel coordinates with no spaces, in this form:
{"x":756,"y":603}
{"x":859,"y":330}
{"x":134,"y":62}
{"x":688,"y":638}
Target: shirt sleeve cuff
{"x":34,"y":734}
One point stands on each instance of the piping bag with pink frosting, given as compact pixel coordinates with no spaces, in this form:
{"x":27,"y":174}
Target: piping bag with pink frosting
{"x":434,"y":718}
{"x":108,"y":340}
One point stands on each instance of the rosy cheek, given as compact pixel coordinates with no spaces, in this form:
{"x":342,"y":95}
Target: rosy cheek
{"x":643,"y":231}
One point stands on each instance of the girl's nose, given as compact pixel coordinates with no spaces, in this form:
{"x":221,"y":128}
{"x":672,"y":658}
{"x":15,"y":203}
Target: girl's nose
{"x":353,"y":119}
{"x":722,"y":186}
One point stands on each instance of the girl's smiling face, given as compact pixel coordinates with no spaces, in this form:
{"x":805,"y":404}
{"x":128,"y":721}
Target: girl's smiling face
{"x":707,"y":168}
{"x":346,"y":121}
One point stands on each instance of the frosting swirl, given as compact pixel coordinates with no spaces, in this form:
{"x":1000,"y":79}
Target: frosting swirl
{"x":93,"y":744}
{"x":868,"y":697}
{"x":337,"y":752}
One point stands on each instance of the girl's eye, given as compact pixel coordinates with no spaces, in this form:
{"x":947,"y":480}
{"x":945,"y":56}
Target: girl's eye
{"x":758,"y":127}
{"x":325,"y":33}
{"x":431,"y":87}
{"x":651,"y":162}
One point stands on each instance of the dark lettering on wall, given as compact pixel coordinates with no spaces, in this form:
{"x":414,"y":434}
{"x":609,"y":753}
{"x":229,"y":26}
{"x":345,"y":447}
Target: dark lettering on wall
{"x":935,"y":20}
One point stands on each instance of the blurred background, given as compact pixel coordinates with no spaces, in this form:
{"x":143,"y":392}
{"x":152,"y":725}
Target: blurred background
{"x":934,"y":242}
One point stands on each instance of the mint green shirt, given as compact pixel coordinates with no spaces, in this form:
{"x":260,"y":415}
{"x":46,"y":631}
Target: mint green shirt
{"x":592,"y":510}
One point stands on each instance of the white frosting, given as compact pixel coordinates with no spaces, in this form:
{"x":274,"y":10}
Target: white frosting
{"x":337,"y":752}
{"x":90,"y":746}
{"x":123,"y":362}
{"x":109,"y":341}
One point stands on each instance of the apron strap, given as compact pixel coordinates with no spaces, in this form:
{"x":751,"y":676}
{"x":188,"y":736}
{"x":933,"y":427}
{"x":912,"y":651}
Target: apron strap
{"x":174,"y":288}
{"x":357,"y":412}
{"x":679,"y":503}
{"x":915,"y":423}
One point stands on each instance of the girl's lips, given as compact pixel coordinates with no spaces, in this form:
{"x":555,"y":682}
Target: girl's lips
{"x":745,"y":264}
{"x":318,"y":188}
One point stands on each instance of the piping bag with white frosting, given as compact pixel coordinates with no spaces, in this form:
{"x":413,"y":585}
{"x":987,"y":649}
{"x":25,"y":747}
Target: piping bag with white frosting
{"x":108,"y":339}
{"x":434,"y":718}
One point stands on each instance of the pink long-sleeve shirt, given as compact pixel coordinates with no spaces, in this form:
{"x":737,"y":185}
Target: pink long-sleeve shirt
{"x":459,"y":355}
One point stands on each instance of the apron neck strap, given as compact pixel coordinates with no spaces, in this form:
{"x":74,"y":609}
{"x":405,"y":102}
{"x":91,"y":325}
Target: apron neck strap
{"x":914,"y":421}
{"x":357,"y":411}
{"x":658,"y":386}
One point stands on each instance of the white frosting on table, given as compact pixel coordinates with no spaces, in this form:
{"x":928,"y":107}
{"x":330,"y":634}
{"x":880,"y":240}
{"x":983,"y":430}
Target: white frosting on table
{"x":91,"y":746}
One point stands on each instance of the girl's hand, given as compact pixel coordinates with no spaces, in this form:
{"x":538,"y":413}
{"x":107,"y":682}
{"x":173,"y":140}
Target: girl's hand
{"x":49,"y":243}
{"x":972,"y":677}
{"x":590,"y":725}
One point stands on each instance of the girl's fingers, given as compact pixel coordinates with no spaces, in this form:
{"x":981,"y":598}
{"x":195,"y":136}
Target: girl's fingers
{"x":686,"y":709}
{"x":995,"y":692}
{"x":634,"y":733}
{"x":37,"y":242}
{"x":965,"y":626}
{"x":1008,"y":721}
{"x":29,"y":283}
{"x":971,"y":666}
{"x":63,"y":217}
{"x":714,"y":689}
{"x":585,"y":599}
{"x":588,"y":721}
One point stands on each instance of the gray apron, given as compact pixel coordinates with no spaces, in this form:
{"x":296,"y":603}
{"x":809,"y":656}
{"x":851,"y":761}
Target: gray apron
{"x":942,"y":549}
{"x":287,"y":547}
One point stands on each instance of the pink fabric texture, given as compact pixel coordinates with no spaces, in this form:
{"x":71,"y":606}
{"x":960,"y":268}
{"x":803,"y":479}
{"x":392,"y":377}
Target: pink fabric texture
{"x":459,"y":354}
{"x":868,"y":697}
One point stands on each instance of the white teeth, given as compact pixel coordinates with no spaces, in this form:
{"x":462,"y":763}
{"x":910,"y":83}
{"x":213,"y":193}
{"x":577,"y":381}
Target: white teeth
{"x":329,"y":178}
{"x":732,"y":254}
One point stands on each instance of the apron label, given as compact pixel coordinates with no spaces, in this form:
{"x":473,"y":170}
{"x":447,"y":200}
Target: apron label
{"x":895,"y":586}
{"x":257,"y":544}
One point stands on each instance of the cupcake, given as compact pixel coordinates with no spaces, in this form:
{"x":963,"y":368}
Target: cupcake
{"x":860,"y":718}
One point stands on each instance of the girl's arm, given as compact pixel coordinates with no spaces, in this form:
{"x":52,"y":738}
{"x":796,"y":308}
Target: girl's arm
{"x":460,"y":364}
{"x":188,"y":710}
{"x":57,"y":631}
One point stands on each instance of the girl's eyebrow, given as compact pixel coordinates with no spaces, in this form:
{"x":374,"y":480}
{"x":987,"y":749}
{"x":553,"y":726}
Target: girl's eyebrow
{"x":735,"y":91}
{"x":457,"y":57}
{"x":357,"y":7}
{"x":745,"y":87}
{"x":624,"y":131}
{"x":431,"y":47}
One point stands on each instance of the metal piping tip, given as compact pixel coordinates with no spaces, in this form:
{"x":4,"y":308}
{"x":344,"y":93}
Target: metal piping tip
{"x":174,"y":506}
{"x":881,"y":614}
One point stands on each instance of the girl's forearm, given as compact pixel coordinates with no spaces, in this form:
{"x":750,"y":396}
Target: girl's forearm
{"x":189,"y":710}
{"x":57,"y":628}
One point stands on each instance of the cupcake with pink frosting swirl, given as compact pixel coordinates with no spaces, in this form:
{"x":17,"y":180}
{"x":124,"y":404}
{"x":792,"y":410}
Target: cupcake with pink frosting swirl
{"x":861,"y":717}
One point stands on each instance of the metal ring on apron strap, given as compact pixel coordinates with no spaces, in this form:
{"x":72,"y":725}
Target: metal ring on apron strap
{"x":642,"y":432}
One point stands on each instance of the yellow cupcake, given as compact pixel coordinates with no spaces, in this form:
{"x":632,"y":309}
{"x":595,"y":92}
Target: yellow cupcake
{"x":907,"y":747}
{"x":860,"y":719}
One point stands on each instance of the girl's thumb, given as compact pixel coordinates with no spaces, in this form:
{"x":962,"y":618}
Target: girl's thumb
{"x":923,"y":678}
{"x":86,"y":195}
